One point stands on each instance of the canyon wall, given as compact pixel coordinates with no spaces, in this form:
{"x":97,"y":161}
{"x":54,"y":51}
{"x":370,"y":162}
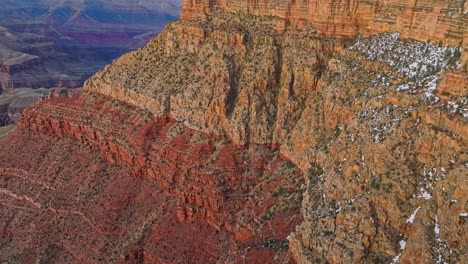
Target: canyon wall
{"x":252,"y":196}
{"x":281,"y":136}
{"x":427,"y":20}
{"x":249,"y":82}
{"x":422,"y":20}
{"x":355,"y":114}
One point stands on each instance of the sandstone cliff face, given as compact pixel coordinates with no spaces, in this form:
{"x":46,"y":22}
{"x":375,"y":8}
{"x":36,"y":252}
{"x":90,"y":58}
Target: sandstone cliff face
{"x":438,"y":21}
{"x":251,"y":196}
{"x":226,"y":76}
{"x":214,"y":108}
{"x":248,"y":81}
{"x":422,"y":20}
{"x":387,"y":164}
{"x":356,"y":115}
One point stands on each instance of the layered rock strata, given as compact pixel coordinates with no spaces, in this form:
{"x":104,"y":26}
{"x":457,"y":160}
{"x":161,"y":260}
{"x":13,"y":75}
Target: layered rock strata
{"x":251,"y":196}
{"x":422,"y":20}
{"x":438,"y":21}
{"x":62,"y":203}
{"x":213,"y":109}
{"x":355,"y":114}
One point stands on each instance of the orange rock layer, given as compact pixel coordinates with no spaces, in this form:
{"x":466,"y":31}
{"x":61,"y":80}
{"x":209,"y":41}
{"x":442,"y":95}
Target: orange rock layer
{"x":443,"y":21}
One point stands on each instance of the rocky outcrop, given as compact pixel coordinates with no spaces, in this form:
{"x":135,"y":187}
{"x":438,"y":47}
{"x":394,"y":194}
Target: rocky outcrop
{"x":421,"y":20}
{"x":217,"y":66}
{"x":253,"y":193}
{"x":356,"y":115}
{"x":236,"y":105}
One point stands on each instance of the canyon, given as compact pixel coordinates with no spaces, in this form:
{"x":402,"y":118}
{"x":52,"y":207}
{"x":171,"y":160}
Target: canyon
{"x":254,"y":132}
{"x":51,"y":43}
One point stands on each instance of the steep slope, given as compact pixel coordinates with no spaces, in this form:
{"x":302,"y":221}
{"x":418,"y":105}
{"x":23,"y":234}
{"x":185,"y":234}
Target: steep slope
{"x":388,"y":178}
{"x":152,"y":186}
{"x":243,"y":111}
{"x":90,"y":211}
{"x":355,"y":115}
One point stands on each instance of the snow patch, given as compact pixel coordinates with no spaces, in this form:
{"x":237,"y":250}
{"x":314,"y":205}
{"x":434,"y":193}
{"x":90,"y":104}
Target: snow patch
{"x":436,"y":228}
{"x":420,"y":63}
{"x":425,"y":194}
{"x":438,"y":250}
{"x":402,"y":244}
{"x":402,"y":247}
{"x":412,"y":216}
{"x":459,"y":106}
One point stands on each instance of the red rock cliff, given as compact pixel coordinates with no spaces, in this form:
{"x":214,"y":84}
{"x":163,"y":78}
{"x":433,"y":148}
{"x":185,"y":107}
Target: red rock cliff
{"x":211,"y":181}
{"x":355,"y":114}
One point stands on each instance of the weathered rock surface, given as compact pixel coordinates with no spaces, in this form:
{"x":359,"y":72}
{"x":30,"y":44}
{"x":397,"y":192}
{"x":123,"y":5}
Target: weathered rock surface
{"x":224,"y":76}
{"x":78,"y":208}
{"x":422,"y":20}
{"x":215,"y":106}
{"x":247,"y":199}
{"x":438,"y":21}
{"x":386,"y":166}
{"x":355,"y":114}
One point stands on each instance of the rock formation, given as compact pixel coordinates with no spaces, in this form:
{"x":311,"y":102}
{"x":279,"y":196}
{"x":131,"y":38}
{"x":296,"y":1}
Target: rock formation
{"x":264,"y":134}
{"x":243,"y":202}
{"x":427,"y":20}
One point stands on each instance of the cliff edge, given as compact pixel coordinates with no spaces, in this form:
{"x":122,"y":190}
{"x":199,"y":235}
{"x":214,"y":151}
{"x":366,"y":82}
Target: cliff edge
{"x":308,"y":132}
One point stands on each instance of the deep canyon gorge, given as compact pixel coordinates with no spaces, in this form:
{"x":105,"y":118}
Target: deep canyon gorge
{"x":53,"y":43}
{"x":254,"y":132}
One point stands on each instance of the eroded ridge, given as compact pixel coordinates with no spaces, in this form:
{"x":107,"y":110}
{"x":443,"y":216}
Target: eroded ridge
{"x":252,"y":192}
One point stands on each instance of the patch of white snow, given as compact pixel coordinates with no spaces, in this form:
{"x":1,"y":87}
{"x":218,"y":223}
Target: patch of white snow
{"x":412,"y":216}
